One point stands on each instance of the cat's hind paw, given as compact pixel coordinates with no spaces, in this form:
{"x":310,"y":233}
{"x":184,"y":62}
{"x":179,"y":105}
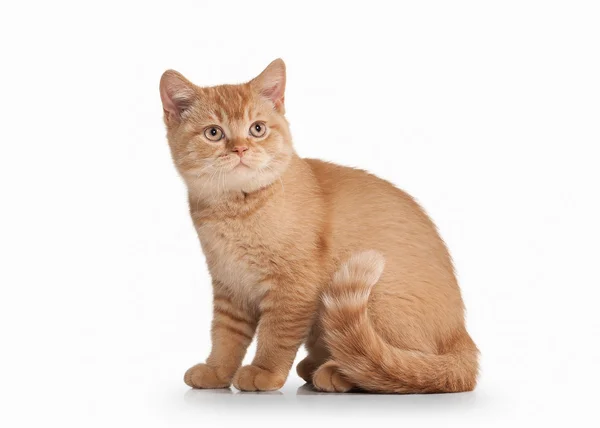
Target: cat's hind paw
{"x":328,"y":378}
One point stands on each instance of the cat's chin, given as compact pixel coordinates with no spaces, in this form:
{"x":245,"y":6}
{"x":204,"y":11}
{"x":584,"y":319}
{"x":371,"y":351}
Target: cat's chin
{"x":246,"y":179}
{"x":241,"y":178}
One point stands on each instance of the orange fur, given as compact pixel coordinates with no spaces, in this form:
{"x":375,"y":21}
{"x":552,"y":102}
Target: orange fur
{"x":304,"y":251}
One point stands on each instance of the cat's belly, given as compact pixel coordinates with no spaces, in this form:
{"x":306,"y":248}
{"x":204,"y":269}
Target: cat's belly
{"x":238,"y":262}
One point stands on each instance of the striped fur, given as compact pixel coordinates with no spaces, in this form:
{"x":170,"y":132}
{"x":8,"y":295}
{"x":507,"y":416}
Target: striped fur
{"x":274,"y":228}
{"x":366,"y":360}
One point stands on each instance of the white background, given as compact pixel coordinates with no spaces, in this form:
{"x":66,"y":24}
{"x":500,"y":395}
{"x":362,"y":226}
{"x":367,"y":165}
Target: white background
{"x":487,"y":112}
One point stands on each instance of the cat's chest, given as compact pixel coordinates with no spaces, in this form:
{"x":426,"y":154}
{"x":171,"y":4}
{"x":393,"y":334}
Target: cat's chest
{"x":238,"y":257}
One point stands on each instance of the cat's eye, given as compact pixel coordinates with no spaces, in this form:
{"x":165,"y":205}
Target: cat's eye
{"x":213,"y":133}
{"x":258,"y":129}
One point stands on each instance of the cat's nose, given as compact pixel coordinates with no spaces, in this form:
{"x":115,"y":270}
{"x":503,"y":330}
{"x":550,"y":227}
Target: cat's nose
{"x":240,"y":150}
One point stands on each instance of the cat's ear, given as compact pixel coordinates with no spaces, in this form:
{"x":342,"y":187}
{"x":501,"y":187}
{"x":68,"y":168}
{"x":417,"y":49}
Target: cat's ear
{"x":271,"y":83}
{"x":177,"y":94}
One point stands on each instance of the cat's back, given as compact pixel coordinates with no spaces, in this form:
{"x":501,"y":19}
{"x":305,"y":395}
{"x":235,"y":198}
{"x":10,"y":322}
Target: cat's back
{"x":367,"y":212}
{"x":355,"y":190}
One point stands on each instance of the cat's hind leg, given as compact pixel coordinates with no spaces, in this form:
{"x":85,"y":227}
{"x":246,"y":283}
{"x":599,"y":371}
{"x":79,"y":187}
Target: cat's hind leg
{"x":306,"y":368}
{"x":317,"y":354}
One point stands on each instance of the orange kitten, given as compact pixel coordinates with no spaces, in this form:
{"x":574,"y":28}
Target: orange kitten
{"x":304,"y":251}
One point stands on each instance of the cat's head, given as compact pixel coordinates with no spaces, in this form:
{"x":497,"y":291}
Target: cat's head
{"x":228,"y":137}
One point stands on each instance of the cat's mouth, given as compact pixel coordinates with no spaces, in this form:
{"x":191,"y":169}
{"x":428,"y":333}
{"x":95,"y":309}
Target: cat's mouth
{"x":241,"y":165}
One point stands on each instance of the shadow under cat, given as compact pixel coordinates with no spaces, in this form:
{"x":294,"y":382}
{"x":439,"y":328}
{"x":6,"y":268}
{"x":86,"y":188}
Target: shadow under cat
{"x":305,"y":396}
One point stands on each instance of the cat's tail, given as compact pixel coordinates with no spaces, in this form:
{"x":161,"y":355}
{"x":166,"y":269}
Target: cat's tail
{"x":374,"y":365}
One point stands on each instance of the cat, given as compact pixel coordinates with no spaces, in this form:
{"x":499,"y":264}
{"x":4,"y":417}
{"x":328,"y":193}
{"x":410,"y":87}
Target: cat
{"x":306,"y":251}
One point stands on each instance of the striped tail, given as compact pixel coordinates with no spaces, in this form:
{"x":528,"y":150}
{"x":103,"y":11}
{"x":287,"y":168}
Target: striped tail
{"x":374,"y":365}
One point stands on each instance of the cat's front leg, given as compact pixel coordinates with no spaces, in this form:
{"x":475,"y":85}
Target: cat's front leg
{"x":232,"y":331}
{"x":286,"y":317}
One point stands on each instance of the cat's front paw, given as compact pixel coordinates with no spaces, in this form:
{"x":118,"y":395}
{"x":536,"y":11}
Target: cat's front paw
{"x":202,"y":376}
{"x":253,"y":378}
